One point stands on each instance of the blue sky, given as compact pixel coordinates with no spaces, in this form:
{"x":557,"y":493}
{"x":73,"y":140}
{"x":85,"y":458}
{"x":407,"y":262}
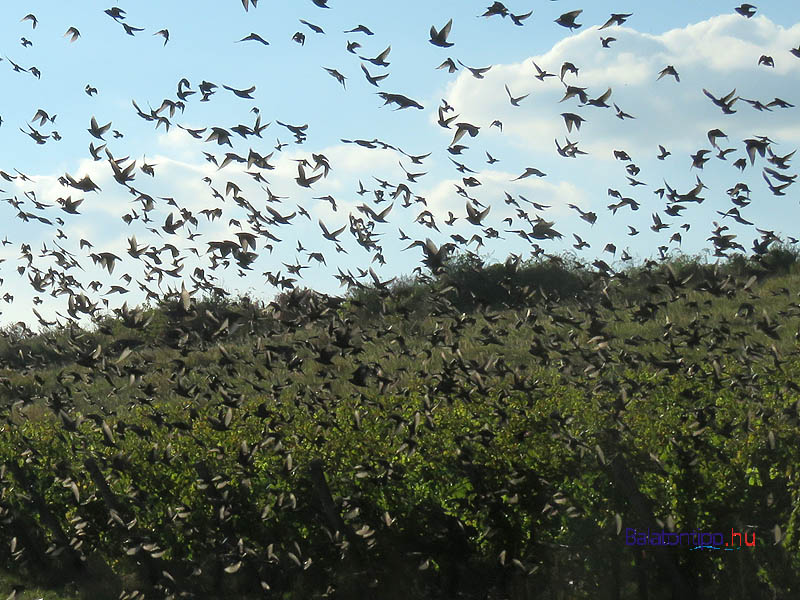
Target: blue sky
{"x":710,"y":45}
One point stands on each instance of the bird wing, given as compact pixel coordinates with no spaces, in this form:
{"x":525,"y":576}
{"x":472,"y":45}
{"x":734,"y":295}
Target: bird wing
{"x":608,"y":23}
{"x":445,"y":31}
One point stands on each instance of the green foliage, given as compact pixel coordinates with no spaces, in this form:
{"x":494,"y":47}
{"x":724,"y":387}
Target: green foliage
{"x":449,"y":486}
{"x":172,"y":449}
{"x":510,"y":284}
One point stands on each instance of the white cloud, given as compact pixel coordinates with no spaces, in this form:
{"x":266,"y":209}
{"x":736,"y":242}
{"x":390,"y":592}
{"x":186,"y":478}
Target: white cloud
{"x":727,"y":43}
{"x":705,"y":54}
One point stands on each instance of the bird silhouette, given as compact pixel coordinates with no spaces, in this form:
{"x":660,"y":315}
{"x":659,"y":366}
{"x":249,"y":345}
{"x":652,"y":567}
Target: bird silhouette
{"x":98,"y":131}
{"x":518,"y":19}
{"x":32,"y":18}
{"x":568,"y":19}
{"x":115,"y":13}
{"x":401,"y":101}
{"x":600,"y":101}
{"x":475,"y":216}
{"x":337,"y":76}
{"x":131,"y":30}
{"x":243,"y":93}
{"x":163,"y":33}
{"x":312,"y":27}
{"x":477,"y":72}
{"x":540,"y":74}
{"x":73,"y":34}
{"x":380,"y":59}
{"x":515,"y":101}
{"x":724,"y":102}
{"x":254,"y":37}
{"x":621,"y":114}
{"x":439,"y":38}
{"x":669,"y":70}
{"x":448,"y":64}
{"x":360,"y":29}
{"x":373,"y":79}
{"x":616,"y":19}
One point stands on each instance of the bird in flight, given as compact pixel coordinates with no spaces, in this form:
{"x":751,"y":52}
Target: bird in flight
{"x":616,"y":19}
{"x":448,"y":64}
{"x":73,"y":34}
{"x":515,"y":101}
{"x":669,"y":70}
{"x":571,"y":119}
{"x":766,"y":61}
{"x":32,"y":18}
{"x":518,"y":19}
{"x":254,"y":37}
{"x":360,"y":29}
{"x":572,"y":91}
{"x":746,"y":10}
{"x":380,"y":60}
{"x":568,"y":67}
{"x":475,"y":216}
{"x":241,"y":93}
{"x":304,"y":181}
{"x":439,"y":38}
{"x":400,"y":100}
{"x":540,"y":74}
{"x":724,"y":102}
{"x":530,"y":171}
{"x":568,"y":19}
{"x":96,"y":130}
{"x":312,"y":27}
{"x":477,"y":72}
{"x":373,"y":79}
{"x":163,"y":33}
{"x":115,"y":13}
{"x":621,"y":114}
{"x":130,"y":30}
{"x":328,"y":235}
{"x":715,"y":134}
{"x":600,"y":101}
{"x":337,"y":76}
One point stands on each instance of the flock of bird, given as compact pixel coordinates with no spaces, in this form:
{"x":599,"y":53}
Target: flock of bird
{"x":264,"y":221}
{"x":576,"y":339}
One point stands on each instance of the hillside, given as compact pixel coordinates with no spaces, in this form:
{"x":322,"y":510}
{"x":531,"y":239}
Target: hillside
{"x":492,"y":430}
